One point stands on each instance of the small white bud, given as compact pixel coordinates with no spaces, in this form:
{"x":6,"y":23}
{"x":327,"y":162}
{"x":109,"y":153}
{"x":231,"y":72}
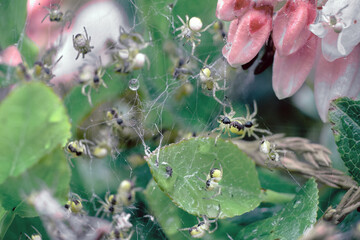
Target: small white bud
{"x":195,"y":24}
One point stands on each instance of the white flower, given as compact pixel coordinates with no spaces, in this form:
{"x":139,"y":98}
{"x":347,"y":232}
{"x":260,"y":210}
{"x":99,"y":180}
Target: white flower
{"x":122,"y":222}
{"x":338,"y":24}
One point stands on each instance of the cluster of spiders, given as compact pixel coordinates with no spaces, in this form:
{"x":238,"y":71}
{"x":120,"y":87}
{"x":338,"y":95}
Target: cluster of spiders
{"x":115,"y":203}
{"x":191,"y":30}
{"x":241,"y":126}
{"x":121,"y":225}
{"x":126,"y":53}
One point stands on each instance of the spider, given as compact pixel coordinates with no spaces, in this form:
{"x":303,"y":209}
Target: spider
{"x":76,"y":148}
{"x":55,"y":15}
{"x":213,"y":179}
{"x":191,"y":30}
{"x":92,"y":79}
{"x":127,"y":61}
{"x":104,"y":144}
{"x":200,"y":229}
{"x":120,"y":235}
{"x":44,"y":72}
{"x":126,"y":192}
{"x":111,"y":205}
{"x":36,"y":236}
{"x":247,"y":125}
{"x":126,"y":54}
{"x":74,"y":205}
{"x":122,"y":226}
{"x":132,"y":40}
{"x":218,"y":32}
{"x":115,"y":120}
{"x":82,"y":44}
{"x":22,"y":72}
{"x":209,"y":81}
{"x":270,"y":150}
{"x":225,"y":122}
{"x":183,"y":69}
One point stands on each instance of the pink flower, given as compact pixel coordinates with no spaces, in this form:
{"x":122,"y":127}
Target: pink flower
{"x":297,"y":48}
{"x":102,"y":19}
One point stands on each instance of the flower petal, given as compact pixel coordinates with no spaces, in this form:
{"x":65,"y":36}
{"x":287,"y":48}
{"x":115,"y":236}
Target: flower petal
{"x":228,"y":10}
{"x":10,"y":56}
{"x":290,"y":72}
{"x":42,"y":33}
{"x":291,"y":23}
{"x":336,"y":79}
{"x":328,"y":46}
{"x":230,"y":36}
{"x":319,"y":29}
{"x":349,"y":37}
{"x":252,"y":30}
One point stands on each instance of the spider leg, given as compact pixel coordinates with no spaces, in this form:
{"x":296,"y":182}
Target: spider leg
{"x":262,"y":131}
{"x":184,"y":229}
{"x":45,"y":17}
{"x":89,"y":96}
{"x":77,"y":56}
{"x":103,"y":83}
{"x":207,"y":27}
{"x":130,"y":235}
{"x":215,"y":195}
{"x":181,"y":20}
{"x":216,"y":226}
{"x":255,"y":110}
{"x":201,"y":179}
{"x":86,"y":33}
{"x":247,"y":112}
{"x":55,"y":5}
{"x":216,"y":98}
{"x":83,"y":89}
{"x":193,"y":48}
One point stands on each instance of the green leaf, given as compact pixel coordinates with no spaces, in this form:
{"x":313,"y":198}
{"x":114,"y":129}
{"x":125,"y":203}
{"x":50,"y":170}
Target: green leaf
{"x":191,"y":160}
{"x":6,"y":218}
{"x":171,"y":218}
{"x":7,"y":75}
{"x":52,"y":172}
{"x":12,"y":21}
{"x":78,"y":106}
{"x":344,"y":115}
{"x":273,"y":180}
{"x":34,"y":122}
{"x":291,"y":222}
{"x":29,"y":51}
{"x":30,"y":226}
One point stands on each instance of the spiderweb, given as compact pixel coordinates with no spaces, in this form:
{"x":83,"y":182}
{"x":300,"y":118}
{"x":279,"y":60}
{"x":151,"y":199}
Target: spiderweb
{"x":169,"y":104}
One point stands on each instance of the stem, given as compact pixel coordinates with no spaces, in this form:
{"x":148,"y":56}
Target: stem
{"x":270,"y":196}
